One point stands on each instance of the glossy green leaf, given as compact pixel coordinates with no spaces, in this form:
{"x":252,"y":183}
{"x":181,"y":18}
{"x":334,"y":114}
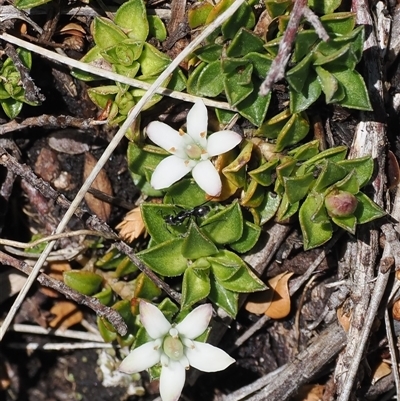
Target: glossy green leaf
{"x":235,"y":172}
{"x":329,"y":174}
{"x":196,"y":245}
{"x":223,"y":298}
{"x":225,"y":226}
{"x":324,"y":6}
{"x":105,"y":33}
{"x":185,"y":192}
{"x":125,"y":267}
{"x":243,"y":17}
{"x":296,"y":188}
{"x":102,"y":94}
{"x":305,"y":41}
{"x":286,"y":209}
{"x":165,"y":258}
{"x":363,"y":166}
{"x":276,"y":8}
{"x":108,"y":335}
{"x":272,"y":127}
{"x":314,"y":222}
{"x":268,"y":207}
{"x":224,"y":265}
{"x":105,"y":296}
{"x":367,"y":210}
{"x":156,"y":27}
{"x":11,"y":107}
{"x":243,"y":43}
{"x":253,"y":195}
{"x":209,"y":82}
{"x":195,"y":287}
{"x":305,"y":151}
{"x":265,"y":174}
{"x":297,"y":75}
{"x":152,"y":61}
{"x":293,"y":131}
{"x":337,"y":60}
{"x":348,"y":223}
{"x":300,"y":101}
{"x":348,"y":183}
{"x":198,"y":13}
{"x":124,"y":53}
{"x":254,"y":107}
{"x":85,"y":282}
{"x":132,"y":16}
{"x":341,"y":23}
{"x":335,"y":154}
{"x":110,"y":260}
{"x":261,"y":63}
{"x":145,"y":288}
{"x":24,"y":4}
{"x":329,"y":83}
{"x":209,"y":53}
{"x":356,"y":92}
{"x":249,"y":238}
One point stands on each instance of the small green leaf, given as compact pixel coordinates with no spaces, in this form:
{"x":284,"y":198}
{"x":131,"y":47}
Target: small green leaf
{"x":156,"y":27}
{"x":225,"y":264}
{"x":286,"y":209}
{"x":314,"y":222}
{"x":325,"y":6}
{"x":329,"y":174}
{"x":296,"y":188}
{"x":363,"y":166}
{"x":268,"y":207}
{"x":152,"y":61}
{"x":253,"y":195}
{"x":195,"y":287}
{"x":243,"y":43}
{"x":335,"y":154}
{"x":235,"y":172}
{"x":23,"y":4}
{"x":198,"y":13}
{"x":85,"y":282}
{"x":210,"y":80}
{"x":349,"y":183}
{"x":132,"y":16}
{"x":341,"y":23}
{"x":297,"y":75}
{"x":209,"y":53}
{"x":356,"y":92}
{"x":11,"y":107}
{"x":367,"y":210}
{"x":348,"y":223}
{"x":300,"y":101}
{"x":261,"y":63}
{"x":264,"y":174}
{"x":108,"y":333}
{"x":165,"y":258}
{"x":105,"y":296}
{"x":306,"y":151}
{"x":196,"y":245}
{"x":293,"y":131}
{"x":304,"y":43}
{"x":243,"y":17}
{"x":124,"y":53}
{"x":186,"y":193}
{"x":106,"y":34}
{"x":145,"y":288}
{"x":329,"y":83}
{"x":223,"y":298}
{"x":249,"y":238}
{"x":225,"y":226}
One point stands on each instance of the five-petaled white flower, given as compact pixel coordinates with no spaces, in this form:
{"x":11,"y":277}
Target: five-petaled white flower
{"x":174,"y":347}
{"x":190,"y":151}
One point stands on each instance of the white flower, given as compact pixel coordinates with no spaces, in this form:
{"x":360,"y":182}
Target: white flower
{"x":191,"y":151}
{"x":174,"y":347}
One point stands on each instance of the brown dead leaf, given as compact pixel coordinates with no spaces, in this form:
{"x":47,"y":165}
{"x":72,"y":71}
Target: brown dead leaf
{"x":101,"y":183}
{"x":310,"y":392}
{"x":66,"y":314}
{"x":132,"y":226}
{"x":344,"y":318}
{"x":383,"y":369}
{"x":275,"y":302}
{"x":396,"y":310}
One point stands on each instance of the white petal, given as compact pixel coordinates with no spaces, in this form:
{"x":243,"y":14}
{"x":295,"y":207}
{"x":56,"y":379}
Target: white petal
{"x":196,"y":322}
{"x":172,"y":379}
{"x":165,"y":136}
{"x":170,"y":170}
{"x":153,"y":320}
{"x":197,"y":122}
{"x":222,"y":141}
{"x":208,"y":358}
{"x":140,"y":359}
{"x":207,"y":178}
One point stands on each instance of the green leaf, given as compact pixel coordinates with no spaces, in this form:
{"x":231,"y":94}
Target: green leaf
{"x":335,"y":154}
{"x":124,"y":53}
{"x":324,"y":6}
{"x":348,"y":183}
{"x":195,"y":287}
{"x":296,"y":188}
{"x":156,"y":27}
{"x":209,"y":81}
{"x":261,"y":63}
{"x":23,"y":4}
{"x":306,"y":151}
{"x":339,"y":23}
{"x":11,"y":107}
{"x":305,"y":41}
{"x":348,"y":223}
{"x":141,"y":160}
{"x":107,"y":333}
{"x":300,"y":101}
{"x":223,"y":298}
{"x":243,"y":43}
{"x":249,"y":238}
{"x":268,"y":207}
{"x":132,"y":16}
{"x":93,"y":54}
{"x":235,"y":92}
{"x":329,"y":83}
{"x":85,"y":282}
{"x":337,"y":60}
{"x":165,"y":258}
{"x":197,"y":15}
{"x":329,"y":174}
{"x":367,"y":210}
{"x":314,"y":222}
{"x":225,"y":226}
{"x":186,"y":193}
{"x":224,"y":265}
{"x":297,"y":75}
{"x":254,"y":107}
{"x":264,"y":174}
{"x":363,"y":166}
{"x":243,"y":17}
{"x":152,"y":61}
{"x":196,"y":245}
{"x":356,"y":92}
{"x":145,"y":288}
{"x":295,"y":129}
{"x":209,"y":53}
{"x":105,"y":296}
{"x":286,"y":209}
{"x":235,"y":172}
{"x":106,"y":34}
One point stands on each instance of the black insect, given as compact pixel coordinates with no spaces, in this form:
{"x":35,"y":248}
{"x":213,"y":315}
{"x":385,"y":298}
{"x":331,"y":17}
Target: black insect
{"x":178,"y":219}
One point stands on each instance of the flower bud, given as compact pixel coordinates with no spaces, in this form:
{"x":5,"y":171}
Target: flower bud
{"x":340,"y":203}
